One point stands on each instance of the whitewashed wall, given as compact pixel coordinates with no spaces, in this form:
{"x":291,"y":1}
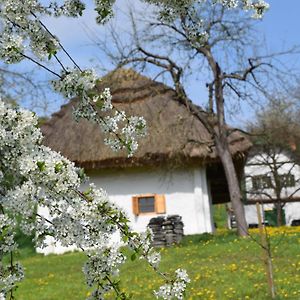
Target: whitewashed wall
{"x":186,"y":192}
{"x":256,"y":166}
{"x":292,"y":212}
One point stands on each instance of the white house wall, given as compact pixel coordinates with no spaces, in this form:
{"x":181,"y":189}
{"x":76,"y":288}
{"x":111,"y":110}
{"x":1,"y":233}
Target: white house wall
{"x":291,"y":209}
{"x":256,"y":166}
{"x":292,"y":212}
{"x":203,"y":202}
{"x":185,"y":191}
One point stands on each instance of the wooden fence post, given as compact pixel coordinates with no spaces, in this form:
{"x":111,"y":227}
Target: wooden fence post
{"x":266,"y":252}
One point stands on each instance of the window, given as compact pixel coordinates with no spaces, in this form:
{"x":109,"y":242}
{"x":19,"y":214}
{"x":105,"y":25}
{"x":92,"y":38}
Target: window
{"x":261,"y":182}
{"x":264,"y":181}
{"x":149,"y":204}
{"x":287,"y":180}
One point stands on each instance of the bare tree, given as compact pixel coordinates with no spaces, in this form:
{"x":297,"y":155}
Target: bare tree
{"x":273,"y":171}
{"x":203,"y":37}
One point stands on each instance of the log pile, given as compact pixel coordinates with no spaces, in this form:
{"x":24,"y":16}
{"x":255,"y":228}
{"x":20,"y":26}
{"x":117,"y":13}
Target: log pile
{"x":166,"y":230}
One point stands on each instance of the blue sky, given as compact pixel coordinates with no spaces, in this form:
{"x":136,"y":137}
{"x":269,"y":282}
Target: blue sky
{"x":280,"y":26}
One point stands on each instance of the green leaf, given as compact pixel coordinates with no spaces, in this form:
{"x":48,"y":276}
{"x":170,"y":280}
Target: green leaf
{"x":81,"y":174}
{"x":41,"y":165}
{"x":133,"y":257}
{"x":58,"y":167}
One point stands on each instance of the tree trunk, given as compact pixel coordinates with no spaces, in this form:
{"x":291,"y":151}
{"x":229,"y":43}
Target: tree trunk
{"x":220,"y":136}
{"x":233,"y":187}
{"x":223,"y":152}
{"x":221,"y":141}
{"x":279,"y":213}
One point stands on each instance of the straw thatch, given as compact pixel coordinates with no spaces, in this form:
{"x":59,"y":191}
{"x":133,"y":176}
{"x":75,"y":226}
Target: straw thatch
{"x":174,"y":134}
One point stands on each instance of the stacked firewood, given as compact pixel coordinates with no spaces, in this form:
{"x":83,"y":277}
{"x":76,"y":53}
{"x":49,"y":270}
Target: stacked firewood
{"x":166,"y":230}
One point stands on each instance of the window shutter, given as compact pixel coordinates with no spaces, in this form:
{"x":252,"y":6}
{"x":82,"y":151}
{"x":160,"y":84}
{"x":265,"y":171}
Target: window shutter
{"x":160,"y":204}
{"x":135,"y":205}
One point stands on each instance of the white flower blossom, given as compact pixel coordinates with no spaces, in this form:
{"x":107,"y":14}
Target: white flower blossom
{"x":70,"y":8}
{"x":74,"y":82}
{"x":11,"y":275}
{"x":175,"y":289}
{"x":154,"y":259}
{"x":7,"y":226}
{"x":32,"y":175}
{"x":259,"y":7}
{"x":169,"y":10}
{"x":104,"y":10}
{"x":11,"y":48}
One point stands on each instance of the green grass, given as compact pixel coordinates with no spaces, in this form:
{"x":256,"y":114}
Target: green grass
{"x":220,"y":267}
{"x":220,"y":215}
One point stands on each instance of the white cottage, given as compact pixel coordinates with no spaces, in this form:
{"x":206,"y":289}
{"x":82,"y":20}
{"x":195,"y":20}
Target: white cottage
{"x":272,"y":178}
{"x":175,"y":170}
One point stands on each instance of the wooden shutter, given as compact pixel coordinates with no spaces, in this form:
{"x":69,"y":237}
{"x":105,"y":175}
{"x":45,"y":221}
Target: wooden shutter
{"x":135,"y":205}
{"x":160,"y":204}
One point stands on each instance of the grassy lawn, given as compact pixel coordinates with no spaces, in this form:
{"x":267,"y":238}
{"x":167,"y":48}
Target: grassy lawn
{"x":220,"y":267}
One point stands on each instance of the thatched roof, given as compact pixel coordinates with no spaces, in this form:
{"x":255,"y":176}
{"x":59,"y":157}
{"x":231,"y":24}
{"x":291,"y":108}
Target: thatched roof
{"x":174,"y":134}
